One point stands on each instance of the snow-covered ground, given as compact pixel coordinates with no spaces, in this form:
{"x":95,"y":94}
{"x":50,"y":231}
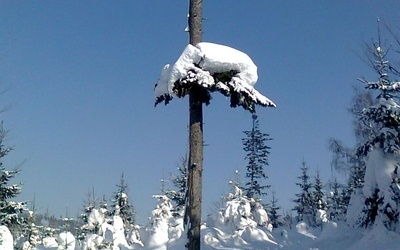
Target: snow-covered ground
{"x":241,"y":224}
{"x":332,"y":236}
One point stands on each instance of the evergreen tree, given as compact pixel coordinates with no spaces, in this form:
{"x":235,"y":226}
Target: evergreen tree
{"x":383,"y":145}
{"x":303,"y":200}
{"x":88,"y":206}
{"x":257,"y":156}
{"x":318,"y":194}
{"x":273,"y":209}
{"x":10,"y":211}
{"x":319,"y":202}
{"x":336,"y":204}
{"x":122,"y":205}
{"x":180,"y":184}
{"x":32,"y":231}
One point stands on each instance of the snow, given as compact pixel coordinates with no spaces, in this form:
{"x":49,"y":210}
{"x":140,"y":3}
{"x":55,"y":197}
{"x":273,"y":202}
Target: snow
{"x":330,"y":236}
{"x":66,"y":241}
{"x":202,"y":65}
{"x":219,"y":58}
{"x":378,"y":174}
{"x":6,"y":239}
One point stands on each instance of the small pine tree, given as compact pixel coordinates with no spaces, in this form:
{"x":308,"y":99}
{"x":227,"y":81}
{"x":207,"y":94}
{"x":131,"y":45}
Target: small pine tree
{"x":122,"y":206}
{"x":32,"y":231}
{"x":318,"y":201}
{"x":318,"y":194}
{"x":178,"y":195}
{"x":88,"y":206}
{"x":303,"y":200}
{"x":10,"y":211}
{"x":257,"y":156}
{"x":337,"y":206}
{"x":273,"y":209}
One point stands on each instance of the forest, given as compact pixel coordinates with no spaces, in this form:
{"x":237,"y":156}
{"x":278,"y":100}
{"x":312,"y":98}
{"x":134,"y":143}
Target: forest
{"x":360,"y":210}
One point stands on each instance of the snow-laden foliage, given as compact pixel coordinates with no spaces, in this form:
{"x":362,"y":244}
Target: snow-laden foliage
{"x":319,"y":201}
{"x":165,"y":226}
{"x":213,"y":67}
{"x":242,"y":220}
{"x":106,"y":233}
{"x":378,"y":202}
{"x":10,"y":210}
{"x":122,"y":205}
{"x":66,"y":241}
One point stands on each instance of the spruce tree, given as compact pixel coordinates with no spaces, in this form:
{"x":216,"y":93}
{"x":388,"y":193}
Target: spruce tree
{"x":318,"y":200}
{"x":88,"y":206}
{"x":178,"y":194}
{"x":383,"y":145}
{"x":257,"y":156}
{"x":303,"y":200}
{"x":273,"y":209}
{"x":10,"y":210}
{"x":337,"y":203}
{"x":122,"y":206}
{"x":318,"y":194}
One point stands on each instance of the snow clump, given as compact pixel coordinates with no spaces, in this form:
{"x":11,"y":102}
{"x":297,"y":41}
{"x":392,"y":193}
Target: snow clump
{"x":213,"y":67}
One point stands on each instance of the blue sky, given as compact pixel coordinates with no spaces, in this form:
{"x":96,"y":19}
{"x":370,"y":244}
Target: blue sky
{"x":79,"y":77}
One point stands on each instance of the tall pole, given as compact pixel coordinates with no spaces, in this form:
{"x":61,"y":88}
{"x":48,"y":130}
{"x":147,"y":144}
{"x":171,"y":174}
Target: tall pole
{"x":195,"y":137}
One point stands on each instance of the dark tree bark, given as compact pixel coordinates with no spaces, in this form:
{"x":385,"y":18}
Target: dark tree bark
{"x":195,"y":137}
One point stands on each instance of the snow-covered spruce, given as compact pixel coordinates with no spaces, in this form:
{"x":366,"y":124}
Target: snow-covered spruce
{"x":164,"y":230}
{"x":377,"y":204}
{"x":242,"y":223}
{"x":213,"y":67}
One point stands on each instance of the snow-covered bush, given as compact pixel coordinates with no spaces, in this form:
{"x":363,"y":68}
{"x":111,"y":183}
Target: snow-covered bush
{"x":66,"y":241}
{"x":242,"y":220}
{"x":164,"y":228}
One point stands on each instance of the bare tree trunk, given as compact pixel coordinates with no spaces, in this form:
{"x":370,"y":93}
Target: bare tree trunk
{"x":195,"y":137}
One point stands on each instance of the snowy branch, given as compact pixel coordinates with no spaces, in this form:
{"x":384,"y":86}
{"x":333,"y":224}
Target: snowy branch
{"x":212,"y":67}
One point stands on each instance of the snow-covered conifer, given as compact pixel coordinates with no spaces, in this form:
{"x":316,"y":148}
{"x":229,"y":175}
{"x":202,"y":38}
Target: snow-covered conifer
{"x":318,"y":199}
{"x":178,"y":194}
{"x":10,"y":210}
{"x":381,"y":192}
{"x":336,"y":203}
{"x":122,"y":206}
{"x":257,"y":155}
{"x":303,"y":200}
{"x":212,"y":67}
{"x":318,"y":193}
{"x":89,"y":205}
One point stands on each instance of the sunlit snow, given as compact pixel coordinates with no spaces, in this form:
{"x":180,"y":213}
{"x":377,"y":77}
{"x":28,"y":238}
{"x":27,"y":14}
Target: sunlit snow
{"x":214,"y":67}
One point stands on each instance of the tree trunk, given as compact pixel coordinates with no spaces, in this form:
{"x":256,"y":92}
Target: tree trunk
{"x":195,"y":137}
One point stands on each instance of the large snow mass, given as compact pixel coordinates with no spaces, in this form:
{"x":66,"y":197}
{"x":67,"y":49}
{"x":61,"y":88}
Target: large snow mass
{"x":241,"y":223}
{"x":213,"y":67}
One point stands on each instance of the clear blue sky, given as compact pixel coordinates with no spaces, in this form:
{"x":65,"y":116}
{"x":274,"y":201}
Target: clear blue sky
{"x":79,"y":77}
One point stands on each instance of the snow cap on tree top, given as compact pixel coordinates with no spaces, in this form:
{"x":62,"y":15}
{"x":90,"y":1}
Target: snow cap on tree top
{"x":213,"y":67}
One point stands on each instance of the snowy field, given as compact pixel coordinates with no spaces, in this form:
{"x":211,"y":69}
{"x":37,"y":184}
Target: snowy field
{"x":237,"y":226}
